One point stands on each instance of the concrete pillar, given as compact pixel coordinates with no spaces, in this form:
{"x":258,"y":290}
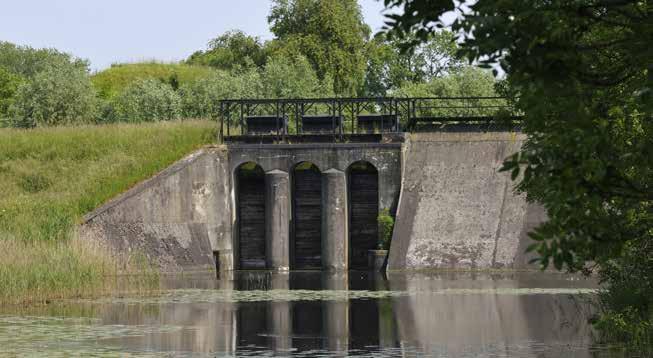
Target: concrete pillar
{"x":277,"y":220}
{"x":335,"y":245}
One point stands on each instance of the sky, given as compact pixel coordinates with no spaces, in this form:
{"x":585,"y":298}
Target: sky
{"x":111,"y":31}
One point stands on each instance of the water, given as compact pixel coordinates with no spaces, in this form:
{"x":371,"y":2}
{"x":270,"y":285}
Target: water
{"x":314,"y":314}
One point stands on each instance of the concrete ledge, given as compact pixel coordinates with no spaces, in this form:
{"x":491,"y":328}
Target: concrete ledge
{"x":315,"y":146}
{"x":468,"y":137}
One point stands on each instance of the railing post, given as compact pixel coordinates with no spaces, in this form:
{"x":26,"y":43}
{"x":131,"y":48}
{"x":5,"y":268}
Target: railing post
{"x":221,"y":115}
{"x":242,"y":127}
{"x":228,"y":118}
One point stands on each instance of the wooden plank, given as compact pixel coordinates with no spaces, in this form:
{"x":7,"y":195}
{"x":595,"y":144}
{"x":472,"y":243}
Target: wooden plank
{"x":307,"y":219}
{"x":251,"y":213}
{"x":363,"y":232}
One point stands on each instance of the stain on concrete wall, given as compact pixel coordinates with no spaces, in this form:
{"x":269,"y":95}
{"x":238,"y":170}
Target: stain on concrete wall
{"x":176,"y":219}
{"x":456,"y":210}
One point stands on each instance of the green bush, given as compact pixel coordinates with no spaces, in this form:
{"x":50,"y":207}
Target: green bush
{"x":9,"y":83}
{"x":147,"y":101}
{"x":292,"y":78}
{"x":200,"y":99}
{"x":60,"y":94}
{"x":386,"y":225}
{"x":27,"y":62}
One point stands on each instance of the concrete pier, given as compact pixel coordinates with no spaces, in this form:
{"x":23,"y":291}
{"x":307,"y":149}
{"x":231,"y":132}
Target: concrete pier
{"x":277,"y":220}
{"x":335,"y":248}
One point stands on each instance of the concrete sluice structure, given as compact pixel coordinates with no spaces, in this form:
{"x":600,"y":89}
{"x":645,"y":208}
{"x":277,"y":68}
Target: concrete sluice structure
{"x":280,"y":201}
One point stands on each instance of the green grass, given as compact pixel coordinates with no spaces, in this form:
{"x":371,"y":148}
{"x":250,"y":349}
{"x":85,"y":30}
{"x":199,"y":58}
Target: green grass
{"x":51,"y":177}
{"x":112,"y":80}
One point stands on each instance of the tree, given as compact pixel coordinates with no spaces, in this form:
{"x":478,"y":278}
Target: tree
{"x":9,"y":83}
{"x":466,"y":82}
{"x":389,"y":68}
{"x":60,"y":94}
{"x":146,"y":101}
{"x":582,"y":74}
{"x":26,"y":61}
{"x":291,"y":78}
{"x":230,"y":50}
{"x":329,"y":33}
{"x":201,"y":99}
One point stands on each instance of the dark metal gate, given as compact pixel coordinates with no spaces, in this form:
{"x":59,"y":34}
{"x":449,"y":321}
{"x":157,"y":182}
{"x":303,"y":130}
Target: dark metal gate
{"x":364,"y":203}
{"x":307,"y":217}
{"x":251,"y":214}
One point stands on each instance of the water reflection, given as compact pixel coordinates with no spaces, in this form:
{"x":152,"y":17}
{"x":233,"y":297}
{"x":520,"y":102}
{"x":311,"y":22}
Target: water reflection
{"x":448,"y":315}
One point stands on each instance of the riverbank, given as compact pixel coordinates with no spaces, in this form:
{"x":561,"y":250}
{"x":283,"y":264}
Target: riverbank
{"x":51,"y":177}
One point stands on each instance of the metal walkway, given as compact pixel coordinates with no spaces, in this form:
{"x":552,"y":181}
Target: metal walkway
{"x":354,"y":119}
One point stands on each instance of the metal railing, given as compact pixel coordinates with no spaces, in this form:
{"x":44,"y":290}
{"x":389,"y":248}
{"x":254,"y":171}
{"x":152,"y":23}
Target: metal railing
{"x":351,"y":116}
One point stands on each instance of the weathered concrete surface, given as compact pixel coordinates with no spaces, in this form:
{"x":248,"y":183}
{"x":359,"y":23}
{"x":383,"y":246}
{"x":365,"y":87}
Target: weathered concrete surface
{"x":277,"y":220}
{"x":456,"y":210}
{"x":335,"y":248}
{"x":385,"y":157}
{"x":177,"y":219}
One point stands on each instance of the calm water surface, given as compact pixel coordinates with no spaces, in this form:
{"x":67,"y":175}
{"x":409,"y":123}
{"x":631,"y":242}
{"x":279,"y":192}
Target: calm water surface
{"x":315,"y":314}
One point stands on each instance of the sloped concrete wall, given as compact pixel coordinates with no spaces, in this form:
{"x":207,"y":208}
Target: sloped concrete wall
{"x":176,"y":219}
{"x":455,"y":209}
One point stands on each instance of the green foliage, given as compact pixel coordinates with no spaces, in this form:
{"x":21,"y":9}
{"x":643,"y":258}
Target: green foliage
{"x":147,"y":100}
{"x":467,"y":82}
{"x":26,"y":62}
{"x":110,"y":82}
{"x":330,"y":34}
{"x":231,"y":50}
{"x":389,"y":68}
{"x":386,"y":226}
{"x":581,"y":73}
{"x":200,"y":99}
{"x":60,"y":94}
{"x":9,"y":83}
{"x":291,"y":78}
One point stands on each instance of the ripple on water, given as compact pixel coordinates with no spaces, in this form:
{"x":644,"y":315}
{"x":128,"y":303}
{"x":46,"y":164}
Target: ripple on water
{"x":234,"y":296}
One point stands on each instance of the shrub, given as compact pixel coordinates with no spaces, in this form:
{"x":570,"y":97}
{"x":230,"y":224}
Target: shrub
{"x":26,"y":61}
{"x":200,"y":99}
{"x":9,"y":83}
{"x":386,"y":225}
{"x":146,"y":101}
{"x":61,"y":94}
{"x":291,"y":78}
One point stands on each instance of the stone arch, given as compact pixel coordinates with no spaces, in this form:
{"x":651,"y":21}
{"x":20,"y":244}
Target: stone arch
{"x":306,"y":242}
{"x":363,"y":189}
{"x":250,"y":216}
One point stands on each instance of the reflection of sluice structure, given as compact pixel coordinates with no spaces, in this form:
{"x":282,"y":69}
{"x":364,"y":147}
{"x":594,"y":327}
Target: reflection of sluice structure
{"x":329,"y":325}
{"x":485,"y":320}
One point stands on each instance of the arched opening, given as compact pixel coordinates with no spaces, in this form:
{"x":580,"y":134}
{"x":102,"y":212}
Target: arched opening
{"x":250,"y":186}
{"x":306,"y":248}
{"x":363,"y":212}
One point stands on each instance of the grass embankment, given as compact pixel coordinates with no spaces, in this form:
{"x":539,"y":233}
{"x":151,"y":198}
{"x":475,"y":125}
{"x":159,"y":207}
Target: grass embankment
{"x":51,"y":177}
{"x":112,"y":80}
